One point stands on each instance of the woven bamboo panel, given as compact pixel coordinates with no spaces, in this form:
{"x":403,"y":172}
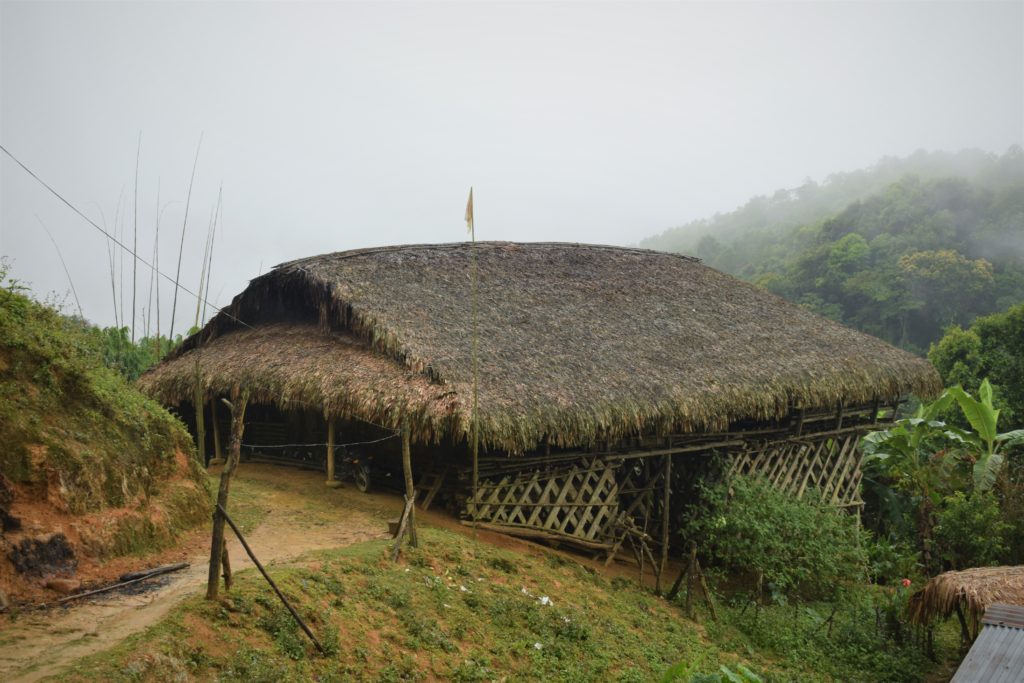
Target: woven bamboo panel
{"x":580,"y":502}
{"x":827,"y":467}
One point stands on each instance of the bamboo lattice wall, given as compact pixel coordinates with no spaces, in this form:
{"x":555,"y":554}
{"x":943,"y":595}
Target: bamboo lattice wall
{"x":595,"y":499}
{"x":828,"y":467}
{"x":578,"y":503}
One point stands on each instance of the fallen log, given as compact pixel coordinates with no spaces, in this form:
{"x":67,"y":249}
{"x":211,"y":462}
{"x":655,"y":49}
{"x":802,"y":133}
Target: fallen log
{"x":157,"y":571}
{"x":154,"y":571}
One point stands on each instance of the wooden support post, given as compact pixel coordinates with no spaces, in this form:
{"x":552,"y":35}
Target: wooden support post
{"x":237,"y":404}
{"x":839,"y":416}
{"x":705,"y":590}
{"x":229,"y":579}
{"x":410,"y":490}
{"x":403,"y":527}
{"x":691,"y":569}
{"x":965,"y":632}
{"x":218,"y":454}
{"x":331,"y":481}
{"x":665,"y":520}
{"x":200,"y":420}
{"x":674,"y":591}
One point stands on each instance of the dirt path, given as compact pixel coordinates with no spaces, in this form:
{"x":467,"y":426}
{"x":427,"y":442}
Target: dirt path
{"x":301,"y":514}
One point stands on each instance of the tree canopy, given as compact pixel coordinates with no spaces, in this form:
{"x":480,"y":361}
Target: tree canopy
{"x":902,"y":251}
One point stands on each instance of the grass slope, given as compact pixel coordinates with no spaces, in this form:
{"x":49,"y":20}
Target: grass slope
{"x":81,"y":440}
{"x":459,"y":611}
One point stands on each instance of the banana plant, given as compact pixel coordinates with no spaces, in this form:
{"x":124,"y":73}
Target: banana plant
{"x":984,"y":444}
{"x":916,"y":456}
{"x":929,"y":459}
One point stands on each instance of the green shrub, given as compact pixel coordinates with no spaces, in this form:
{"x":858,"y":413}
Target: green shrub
{"x":796,"y":546}
{"x":970,"y":531}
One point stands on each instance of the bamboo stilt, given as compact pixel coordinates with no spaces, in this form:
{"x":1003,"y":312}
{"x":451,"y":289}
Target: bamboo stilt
{"x":665,"y":519}
{"x":331,"y":481}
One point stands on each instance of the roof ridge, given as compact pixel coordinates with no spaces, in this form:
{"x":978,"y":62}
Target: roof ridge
{"x":365,"y":251}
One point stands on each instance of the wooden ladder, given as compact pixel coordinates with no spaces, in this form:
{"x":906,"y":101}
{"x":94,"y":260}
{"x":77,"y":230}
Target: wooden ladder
{"x":429,"y":484}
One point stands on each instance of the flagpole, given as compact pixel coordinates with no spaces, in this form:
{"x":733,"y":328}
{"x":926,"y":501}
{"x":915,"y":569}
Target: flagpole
{"x":476,"y":360}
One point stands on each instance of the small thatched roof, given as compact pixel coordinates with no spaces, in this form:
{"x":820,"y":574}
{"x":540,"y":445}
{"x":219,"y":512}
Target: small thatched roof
{"x":576,"y":342}
{"x":297,"y":365}
{"x":974,"y":590}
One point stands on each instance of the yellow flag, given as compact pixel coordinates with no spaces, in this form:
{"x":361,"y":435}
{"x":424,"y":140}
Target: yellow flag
{"x":469,"y":212}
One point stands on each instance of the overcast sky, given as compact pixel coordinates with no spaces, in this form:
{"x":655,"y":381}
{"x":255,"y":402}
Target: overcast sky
{"x":343,"y":125}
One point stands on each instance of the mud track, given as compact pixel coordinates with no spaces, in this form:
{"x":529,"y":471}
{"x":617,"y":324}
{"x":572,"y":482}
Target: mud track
{"x":301,"y":515}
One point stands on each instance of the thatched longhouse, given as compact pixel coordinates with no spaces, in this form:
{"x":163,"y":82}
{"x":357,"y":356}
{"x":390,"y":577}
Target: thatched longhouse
{"x":604,"y":353}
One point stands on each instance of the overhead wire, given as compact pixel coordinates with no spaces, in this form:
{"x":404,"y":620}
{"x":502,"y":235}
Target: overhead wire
{"x":153,"y":268}
{"x":118,"y":242}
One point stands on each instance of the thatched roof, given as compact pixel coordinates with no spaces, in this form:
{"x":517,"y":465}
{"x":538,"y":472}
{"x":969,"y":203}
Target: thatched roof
{"x":975,"y":590}
{"x":576,"y":342}
{"x":297,"y":365}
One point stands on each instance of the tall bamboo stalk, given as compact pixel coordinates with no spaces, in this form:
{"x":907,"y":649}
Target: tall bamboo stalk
{"x":475,"y":426}
{"x":197,"y":395}
{"x":152,"y":276}
{"x":66,"y":271}
{"x":202,"y":268}
{"x":209,"y":265}
{"x":181,"y":248}
{"x":156,"y":267}
{"x":135,"y":231}
{"x":119,"y":227}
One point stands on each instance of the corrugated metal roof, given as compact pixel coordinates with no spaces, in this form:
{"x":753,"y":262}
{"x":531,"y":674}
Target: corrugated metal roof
{"x":997,"y":655}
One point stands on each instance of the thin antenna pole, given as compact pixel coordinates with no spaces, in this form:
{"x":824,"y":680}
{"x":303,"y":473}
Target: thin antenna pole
{"x":181,"y":249}
{"x":135,"y":230}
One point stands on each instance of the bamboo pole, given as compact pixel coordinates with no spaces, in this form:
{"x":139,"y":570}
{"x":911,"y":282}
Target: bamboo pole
{"x":331,"y":481}
{"x":410,"y":490}
{"x":218,"y":455}
{"x":237,"y":404}
{"x":690,"y":571}
{"x":156,"y":269}
{"x":135,"y":232}
{"x":665,"y":520}
{"x":200,"y":401}
{"x":181,"y":247}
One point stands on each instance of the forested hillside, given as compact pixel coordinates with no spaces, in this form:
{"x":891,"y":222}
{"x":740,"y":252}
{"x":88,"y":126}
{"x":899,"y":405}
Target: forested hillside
{"x":902,"y":250}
